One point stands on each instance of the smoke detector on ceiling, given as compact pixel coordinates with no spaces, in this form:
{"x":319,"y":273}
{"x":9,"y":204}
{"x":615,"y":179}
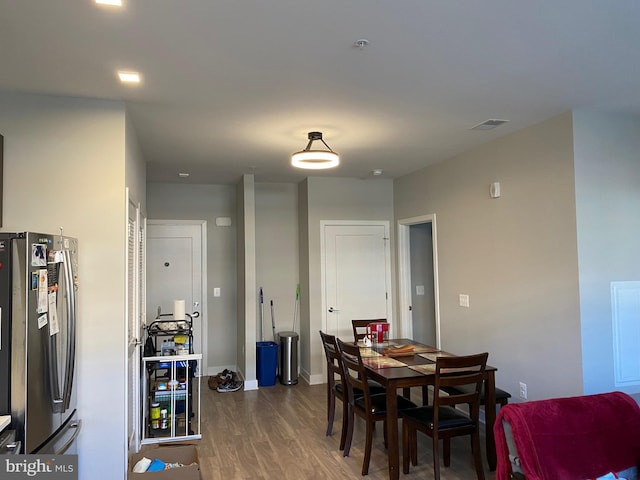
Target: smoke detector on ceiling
{"x":489,"y":124}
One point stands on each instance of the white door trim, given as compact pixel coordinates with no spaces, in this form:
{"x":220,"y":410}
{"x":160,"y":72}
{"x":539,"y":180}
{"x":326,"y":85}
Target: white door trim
{"x":404,"y":273}
{"x":133,"y":293}
{"x":383,"y":223}
{"x":203,"y":271}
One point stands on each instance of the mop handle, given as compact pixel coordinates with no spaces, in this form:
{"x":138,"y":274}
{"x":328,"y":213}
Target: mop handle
{"x":261,"y":315}
{"x":273,"y":322}
{"x":295,"y":307}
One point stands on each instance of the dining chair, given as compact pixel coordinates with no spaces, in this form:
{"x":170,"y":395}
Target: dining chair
{"x":369,"y":406}
{"x":442,"y":420}
{"x":502,"y":396}
{"x":336,"y":386}
{"x":359,"y":327}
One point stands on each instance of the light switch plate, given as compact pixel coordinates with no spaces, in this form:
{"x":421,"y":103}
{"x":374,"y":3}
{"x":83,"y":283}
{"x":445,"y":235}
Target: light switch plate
{"x":419,"y":289}
{"x":464,"y":300}
{"x":216,"y":292}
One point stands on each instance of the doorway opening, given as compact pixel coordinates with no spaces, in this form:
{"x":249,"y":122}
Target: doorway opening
{"x":418,"y":279}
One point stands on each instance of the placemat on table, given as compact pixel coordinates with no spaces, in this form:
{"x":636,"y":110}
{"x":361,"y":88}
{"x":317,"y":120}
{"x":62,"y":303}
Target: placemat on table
{"x":366,"y":352}
{"x":434,"y":356}
{"x":382,"y":362}
{"x":427,"y":368}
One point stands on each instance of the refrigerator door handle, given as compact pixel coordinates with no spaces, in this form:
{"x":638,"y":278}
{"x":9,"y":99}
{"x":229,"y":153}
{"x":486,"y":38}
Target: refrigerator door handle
{"x":73,"y":425}
{"x":71,"y":328}
{"x":52,"y":363}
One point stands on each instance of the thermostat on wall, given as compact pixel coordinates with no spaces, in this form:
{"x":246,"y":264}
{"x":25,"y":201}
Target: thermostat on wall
{"x":223,"y":221}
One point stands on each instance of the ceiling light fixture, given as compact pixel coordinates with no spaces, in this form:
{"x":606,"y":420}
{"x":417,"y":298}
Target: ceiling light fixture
{"x":490,"y":124}
{"x":183,"y":174}
{"x":114,"y":3}
{"x":315,"y":159}
{"x":129,"y":77}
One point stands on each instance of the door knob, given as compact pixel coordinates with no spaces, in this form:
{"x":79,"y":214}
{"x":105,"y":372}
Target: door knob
{"x":331,"y":310}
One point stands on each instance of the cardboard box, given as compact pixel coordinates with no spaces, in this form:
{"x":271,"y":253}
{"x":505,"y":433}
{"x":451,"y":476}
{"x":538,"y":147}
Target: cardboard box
{"x":185,"y":454}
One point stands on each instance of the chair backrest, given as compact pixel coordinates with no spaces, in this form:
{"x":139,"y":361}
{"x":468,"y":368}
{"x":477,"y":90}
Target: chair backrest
{"x":458,"y":371}
{"x":334,"y":363}
{"x":354,"y":373}
{"x":359,"y":327}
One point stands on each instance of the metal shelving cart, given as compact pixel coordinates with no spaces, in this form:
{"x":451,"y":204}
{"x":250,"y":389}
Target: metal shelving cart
{"x":171,"y":404}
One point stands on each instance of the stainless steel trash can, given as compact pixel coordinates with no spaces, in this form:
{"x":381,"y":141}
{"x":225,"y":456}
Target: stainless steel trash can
{"x":288,"y":365}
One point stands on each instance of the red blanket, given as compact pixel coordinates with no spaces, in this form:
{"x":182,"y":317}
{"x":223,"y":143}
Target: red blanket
{"x":576,"y":438}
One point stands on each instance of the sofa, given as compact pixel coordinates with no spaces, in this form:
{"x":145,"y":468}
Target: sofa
{"x":574,"y":438}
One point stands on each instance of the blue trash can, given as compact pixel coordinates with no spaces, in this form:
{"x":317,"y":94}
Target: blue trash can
{"x":266,"y":363}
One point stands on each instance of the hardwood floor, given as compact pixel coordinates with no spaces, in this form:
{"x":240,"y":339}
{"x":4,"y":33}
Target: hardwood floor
{"x":278,"y":432}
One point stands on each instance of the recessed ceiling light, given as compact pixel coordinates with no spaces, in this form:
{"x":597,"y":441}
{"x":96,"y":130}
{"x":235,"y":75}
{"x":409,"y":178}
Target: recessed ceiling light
{"x":183,"y":174}
{"x":377,"y":172}
{"x":129,"y":77}
{"x":114,"y":3}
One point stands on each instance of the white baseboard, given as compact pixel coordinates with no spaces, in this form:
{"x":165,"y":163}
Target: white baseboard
{"x":251,"y":385}
{"x":316,"y":379}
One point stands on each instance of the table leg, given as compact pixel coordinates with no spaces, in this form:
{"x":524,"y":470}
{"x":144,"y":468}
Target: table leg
{"x":425,"y":395}
{"x":392,"y":432}
{"x":490,"y":417}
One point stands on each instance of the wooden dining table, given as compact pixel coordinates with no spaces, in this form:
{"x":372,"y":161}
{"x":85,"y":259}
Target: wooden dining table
{"x":417,"y":370}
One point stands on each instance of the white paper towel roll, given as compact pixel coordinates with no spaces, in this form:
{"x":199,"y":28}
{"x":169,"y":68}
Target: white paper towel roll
{"x":178,"y":310}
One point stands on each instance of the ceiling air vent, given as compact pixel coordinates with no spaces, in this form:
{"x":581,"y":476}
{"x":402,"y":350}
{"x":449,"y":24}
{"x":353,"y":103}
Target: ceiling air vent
{"x":489,"y":124}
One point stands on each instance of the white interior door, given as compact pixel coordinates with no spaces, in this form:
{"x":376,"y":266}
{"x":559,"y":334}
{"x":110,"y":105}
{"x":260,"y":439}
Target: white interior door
{"x":175,"y":266}
{"x":356,"y":274}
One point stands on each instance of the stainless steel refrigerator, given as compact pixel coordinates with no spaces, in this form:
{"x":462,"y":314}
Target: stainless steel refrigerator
{"x":38,"y":320}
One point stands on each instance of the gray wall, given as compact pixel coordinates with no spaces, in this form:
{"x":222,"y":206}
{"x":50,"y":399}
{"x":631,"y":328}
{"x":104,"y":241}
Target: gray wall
{"x":135,"y":169}
{"x":516,"y":256}
{"x":64,"y":165}
{"x":607,"y":164}
{"x":277,"y":252}
{"x":170,"y":201}
{"x":332,"y":199}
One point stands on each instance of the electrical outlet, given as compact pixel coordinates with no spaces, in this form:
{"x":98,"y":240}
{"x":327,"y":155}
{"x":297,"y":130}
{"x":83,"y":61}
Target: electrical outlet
{"x":523,"y":390}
